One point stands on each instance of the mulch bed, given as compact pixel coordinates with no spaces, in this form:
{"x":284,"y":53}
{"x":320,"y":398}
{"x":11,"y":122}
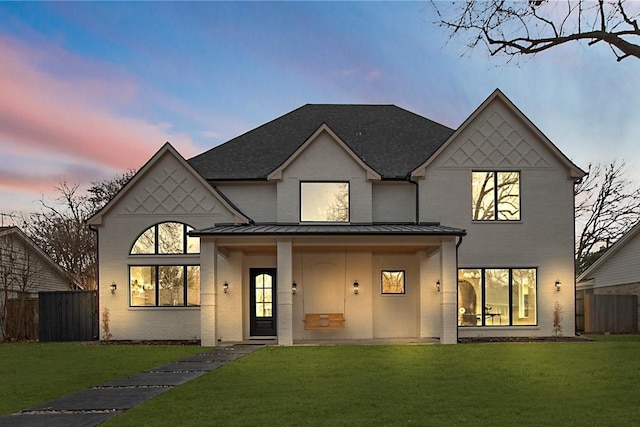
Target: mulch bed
{"x":523,"y":339}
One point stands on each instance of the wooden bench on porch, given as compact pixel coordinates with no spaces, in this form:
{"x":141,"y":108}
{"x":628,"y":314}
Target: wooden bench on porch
{"x":323,"y":321}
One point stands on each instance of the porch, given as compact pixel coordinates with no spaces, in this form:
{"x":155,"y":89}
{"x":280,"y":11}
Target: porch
{"x":256,"y":277}
{"x":328,"y":342}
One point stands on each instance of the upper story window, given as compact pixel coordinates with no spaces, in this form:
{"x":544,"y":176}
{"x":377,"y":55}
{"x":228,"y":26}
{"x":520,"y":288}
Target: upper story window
{"x":324,"y":202}
{"x":166,"y":238}
{"x":495,"y":196}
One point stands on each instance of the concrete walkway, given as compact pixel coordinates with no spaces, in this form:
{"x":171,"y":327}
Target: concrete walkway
{"x":95,"y":405}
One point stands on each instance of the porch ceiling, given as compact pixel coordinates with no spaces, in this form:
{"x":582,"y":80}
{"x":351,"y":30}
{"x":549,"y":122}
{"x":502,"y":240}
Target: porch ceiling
{"x":272,"y":249}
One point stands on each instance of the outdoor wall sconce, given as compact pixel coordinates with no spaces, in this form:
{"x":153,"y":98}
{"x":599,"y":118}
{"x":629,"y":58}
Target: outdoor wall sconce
{"x":294,"y":287}
{"x":225,"y":287}
{"x":113,"y":287}
{"x":558,"y":284}
{"x":438,"y":286}
{"x":356,"y":287}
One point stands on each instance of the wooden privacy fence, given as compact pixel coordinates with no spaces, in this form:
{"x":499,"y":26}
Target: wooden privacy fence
{"x":610,"y":313}
{"x":68,"y":316}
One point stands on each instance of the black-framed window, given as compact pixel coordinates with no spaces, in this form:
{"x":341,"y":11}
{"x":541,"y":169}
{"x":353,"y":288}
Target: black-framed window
{"x":166,"y":238}
{"x":164,"y":285}
{"x":495,"y":195}
{"x":324,"y":201}
{"x":497,"y":297}
{"x":392,"y":282}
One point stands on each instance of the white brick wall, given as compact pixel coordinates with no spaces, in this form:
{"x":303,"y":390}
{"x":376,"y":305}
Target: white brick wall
{"x":542,"y":239}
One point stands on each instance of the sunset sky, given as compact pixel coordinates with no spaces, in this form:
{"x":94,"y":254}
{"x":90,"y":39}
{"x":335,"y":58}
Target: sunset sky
{"x":89,"y":90}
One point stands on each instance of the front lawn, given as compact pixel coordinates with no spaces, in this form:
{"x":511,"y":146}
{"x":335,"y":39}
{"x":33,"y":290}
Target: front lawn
{"x":590,"y":383}
{"x":32,"y":373}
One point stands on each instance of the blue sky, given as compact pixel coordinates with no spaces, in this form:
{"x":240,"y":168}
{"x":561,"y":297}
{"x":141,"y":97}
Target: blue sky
{"x":88,"y":90}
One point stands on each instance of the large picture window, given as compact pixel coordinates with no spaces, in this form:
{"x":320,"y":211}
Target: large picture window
{"x":166,"y":238}
{"x":497,"y":297}
{"x":495,"y":196}
{"x":324,"y":202}
{"x":164,"y":285}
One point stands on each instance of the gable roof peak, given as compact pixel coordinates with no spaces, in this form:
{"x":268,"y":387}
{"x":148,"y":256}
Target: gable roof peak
{"x":166,"y":149}
{"x":497,"y":95}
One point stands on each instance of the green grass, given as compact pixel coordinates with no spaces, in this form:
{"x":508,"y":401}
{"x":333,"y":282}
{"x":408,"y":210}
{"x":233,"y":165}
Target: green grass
{"x":534,"y":384}
{"x":33,"y":373}
{"x":592,"y":383}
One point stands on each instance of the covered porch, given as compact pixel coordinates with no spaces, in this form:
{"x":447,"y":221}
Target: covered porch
{"x":298,"y":284}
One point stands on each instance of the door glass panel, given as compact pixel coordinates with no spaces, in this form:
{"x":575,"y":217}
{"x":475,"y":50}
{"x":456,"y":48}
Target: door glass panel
{"x":264,"y":299}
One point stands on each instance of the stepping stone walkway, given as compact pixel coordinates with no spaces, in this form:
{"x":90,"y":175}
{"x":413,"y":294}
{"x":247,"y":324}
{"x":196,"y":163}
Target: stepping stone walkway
{"x":95,"y":405}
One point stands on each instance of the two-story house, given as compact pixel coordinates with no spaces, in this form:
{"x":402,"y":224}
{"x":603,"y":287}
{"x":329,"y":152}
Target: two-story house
{"x":346,"y":222}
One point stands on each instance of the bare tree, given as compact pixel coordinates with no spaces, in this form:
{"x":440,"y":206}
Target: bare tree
{"x":607,"y":206}
{"x":19,"y":275}
{"x":529,"y":27}
{"x":60,"y":229}
{"x":101,"y":192}
{"x":338,"y":210}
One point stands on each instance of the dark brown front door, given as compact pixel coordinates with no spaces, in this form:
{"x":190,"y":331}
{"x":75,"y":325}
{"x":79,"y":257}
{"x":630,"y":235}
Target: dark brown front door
{"x":262,"y":289}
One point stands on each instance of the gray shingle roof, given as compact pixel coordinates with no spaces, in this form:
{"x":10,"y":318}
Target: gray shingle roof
{"x":391,"y":140}
{"x":429,"y":229}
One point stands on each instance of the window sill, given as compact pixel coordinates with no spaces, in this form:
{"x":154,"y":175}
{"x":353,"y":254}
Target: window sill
{"x":519,"y":221}
{"x":156,"y":308}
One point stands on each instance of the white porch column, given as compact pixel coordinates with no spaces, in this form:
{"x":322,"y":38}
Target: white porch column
{"x":449,"y":291}
{"x":430,"y":316}
{"x":285,"y":299}
{"x":208,"y":292}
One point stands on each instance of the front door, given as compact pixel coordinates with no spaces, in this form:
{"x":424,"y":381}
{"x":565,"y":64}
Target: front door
{"x":262,"y":289}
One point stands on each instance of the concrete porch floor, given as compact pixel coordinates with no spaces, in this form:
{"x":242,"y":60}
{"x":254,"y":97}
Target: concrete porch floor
{"x":330,"y":342}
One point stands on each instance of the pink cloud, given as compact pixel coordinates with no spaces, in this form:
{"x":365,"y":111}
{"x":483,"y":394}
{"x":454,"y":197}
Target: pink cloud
{"x":68,"y":109}
{"x":373,"y":75}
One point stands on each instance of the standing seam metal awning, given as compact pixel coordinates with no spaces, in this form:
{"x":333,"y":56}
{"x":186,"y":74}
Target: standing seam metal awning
{"x":422,"y":229}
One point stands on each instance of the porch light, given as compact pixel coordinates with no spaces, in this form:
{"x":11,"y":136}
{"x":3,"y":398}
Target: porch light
{"x":225,"y":286}
{"x":356,"y":287}
{"x":294,"y":287}
{"x":113,"y":287}
{"x":558,"y":284}
{"x":438,"y":285}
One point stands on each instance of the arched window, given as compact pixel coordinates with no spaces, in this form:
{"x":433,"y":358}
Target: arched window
{"x":165,"y":282}
{"x":166,"y":238}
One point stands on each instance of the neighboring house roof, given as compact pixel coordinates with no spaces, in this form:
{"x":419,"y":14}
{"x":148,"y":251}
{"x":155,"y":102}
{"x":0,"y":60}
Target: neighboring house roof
{"x":616,"y":247}
{"x":26,"y":240}
{"x":425,"y":229}
{"x":167,"y":148}
{"x":390,"y":140}
{"x":574,"y":171}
